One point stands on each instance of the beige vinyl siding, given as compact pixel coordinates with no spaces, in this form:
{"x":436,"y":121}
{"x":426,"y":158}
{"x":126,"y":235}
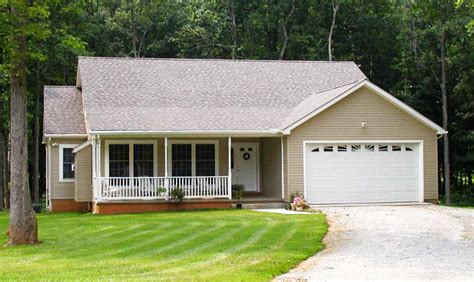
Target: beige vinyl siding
{"x":61,"y":190}
{"x":342,"y":121}
{"x":83,"y":175}
{"x":270,"y":160}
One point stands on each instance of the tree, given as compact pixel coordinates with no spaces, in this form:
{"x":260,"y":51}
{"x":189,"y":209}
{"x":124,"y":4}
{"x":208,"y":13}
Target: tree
{"x":285,"y":32}
{"x":23,"y":227}
{"x":335,"y":8}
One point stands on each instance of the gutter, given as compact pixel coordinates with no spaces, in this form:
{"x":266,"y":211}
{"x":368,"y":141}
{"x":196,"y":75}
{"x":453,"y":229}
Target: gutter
{"x":195,"y":133}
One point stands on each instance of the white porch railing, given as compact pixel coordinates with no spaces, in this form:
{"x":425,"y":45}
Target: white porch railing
{"x":156,"y":188}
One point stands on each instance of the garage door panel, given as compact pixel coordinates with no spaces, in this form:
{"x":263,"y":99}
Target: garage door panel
{"x":362,"y":173}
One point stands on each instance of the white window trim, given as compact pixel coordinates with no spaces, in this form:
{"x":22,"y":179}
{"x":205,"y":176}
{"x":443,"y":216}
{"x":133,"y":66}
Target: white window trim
{"x":131,"y":152}
{"x":61,"y":148}
{"x":193,"y":154}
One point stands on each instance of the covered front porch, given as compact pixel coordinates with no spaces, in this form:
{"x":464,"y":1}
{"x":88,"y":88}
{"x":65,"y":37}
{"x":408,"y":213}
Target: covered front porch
{"x":126,"y":169}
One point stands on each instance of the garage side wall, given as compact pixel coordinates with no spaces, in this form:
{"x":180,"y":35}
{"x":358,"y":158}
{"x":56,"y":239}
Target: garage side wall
{"x":343,"y":120}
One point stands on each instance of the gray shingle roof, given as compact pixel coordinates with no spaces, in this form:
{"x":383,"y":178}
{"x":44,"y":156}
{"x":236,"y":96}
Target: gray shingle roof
{"x":63,"y":112}
{"x":313,"y":103}
{"x":122,"y":94}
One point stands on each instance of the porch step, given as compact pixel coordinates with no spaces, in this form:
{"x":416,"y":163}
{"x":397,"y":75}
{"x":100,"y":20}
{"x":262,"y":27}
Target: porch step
{"x":251,"y":206}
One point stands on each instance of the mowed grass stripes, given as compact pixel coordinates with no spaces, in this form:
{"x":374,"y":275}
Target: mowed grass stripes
{"x":190,"y":245}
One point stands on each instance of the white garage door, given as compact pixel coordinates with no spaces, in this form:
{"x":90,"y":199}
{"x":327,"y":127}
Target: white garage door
{"x":362,"y":173}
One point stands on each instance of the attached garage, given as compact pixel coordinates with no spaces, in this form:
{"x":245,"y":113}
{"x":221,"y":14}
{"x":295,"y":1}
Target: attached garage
{"x":361,"y":145}
{"x":363,"y":172}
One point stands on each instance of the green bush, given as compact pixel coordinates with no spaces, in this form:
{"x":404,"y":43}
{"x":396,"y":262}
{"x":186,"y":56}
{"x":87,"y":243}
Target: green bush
{"x":237,"y":191}
{"x":462,"y":198}
{"x":177,"y":194}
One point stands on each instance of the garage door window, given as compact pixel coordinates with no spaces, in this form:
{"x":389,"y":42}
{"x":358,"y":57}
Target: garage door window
{"x":328,"y":148}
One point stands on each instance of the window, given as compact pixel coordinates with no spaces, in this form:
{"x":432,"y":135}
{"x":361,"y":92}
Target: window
{"x":315,"y":150}
{"x":195,"y":158}
{"x":181,"y":161}
{"x":396,"y":148}
{"x":369,"y":148}
{"x":328,"y":148}
{"x":383,"y":148}
{"x":130,"y":159}
{"x":408,"y":148}
{"x":342,"y":148}
{"x":143,"y":159}
{"x":119,"y":160}
{"x":356,"y":148}
{"x":205,"y":160}
{"x":66,"y":166}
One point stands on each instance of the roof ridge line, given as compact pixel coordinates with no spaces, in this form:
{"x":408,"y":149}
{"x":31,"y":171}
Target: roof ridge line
{"x":213,"y":60}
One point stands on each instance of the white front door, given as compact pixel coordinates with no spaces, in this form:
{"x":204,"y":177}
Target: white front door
{"x":245,"y":166}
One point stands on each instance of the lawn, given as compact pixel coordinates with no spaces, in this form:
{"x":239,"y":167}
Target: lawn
{"x":197,"y":245}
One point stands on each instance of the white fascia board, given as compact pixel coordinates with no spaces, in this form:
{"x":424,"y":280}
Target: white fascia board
{"x":377,"y":90}
{"x":65,"y":135}
{"x":194,"y":133}
{"x":404,"y":107}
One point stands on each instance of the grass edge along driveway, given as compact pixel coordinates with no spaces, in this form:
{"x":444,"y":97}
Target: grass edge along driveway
{"x":187,"y":245}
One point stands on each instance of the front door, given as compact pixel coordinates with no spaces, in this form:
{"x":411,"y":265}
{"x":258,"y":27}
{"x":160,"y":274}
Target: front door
{"x":245,"y":165}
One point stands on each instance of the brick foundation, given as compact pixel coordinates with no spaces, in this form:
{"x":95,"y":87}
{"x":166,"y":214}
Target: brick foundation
{"x":68,"y":205}
{"x":118,"y":208}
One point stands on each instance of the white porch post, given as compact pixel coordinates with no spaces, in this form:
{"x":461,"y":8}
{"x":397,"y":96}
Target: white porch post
{"x":282,"y":169}
{"x":95,"y":186}
{"x":166,"y":166}
{"x":98,"y":167}
{"x":229,"y":159}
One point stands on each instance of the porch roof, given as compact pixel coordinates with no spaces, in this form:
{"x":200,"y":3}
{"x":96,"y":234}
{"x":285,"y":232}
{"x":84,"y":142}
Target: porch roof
{"x":182,"y":95}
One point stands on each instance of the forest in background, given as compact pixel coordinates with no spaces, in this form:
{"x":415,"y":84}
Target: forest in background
{"x":396,"y":43}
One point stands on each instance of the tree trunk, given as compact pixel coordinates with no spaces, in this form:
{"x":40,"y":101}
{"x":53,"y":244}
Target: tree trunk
{"x":447,"y":186}
{"x":2,"y":171}
{"x":335,"y":8}
{"x":23,"y":227}
{"x":37,"y":141}
{"x":285,"y":33}
{"x":230,"y":7}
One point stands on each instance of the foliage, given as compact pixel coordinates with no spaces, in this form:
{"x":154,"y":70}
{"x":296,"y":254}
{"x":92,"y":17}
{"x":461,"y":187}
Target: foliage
{"x":186,"y":245}
{"x":396,"y":44}
{"x":462,"y":198}
{"x":294,"y":195}
{"x":237,"y":191}
{"x":176,"y":194}
{"x":160,"y":190}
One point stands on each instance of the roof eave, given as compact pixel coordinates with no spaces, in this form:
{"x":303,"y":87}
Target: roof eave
{"x":194,"y":133}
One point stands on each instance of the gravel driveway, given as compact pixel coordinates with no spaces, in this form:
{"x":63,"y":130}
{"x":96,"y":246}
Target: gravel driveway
{"x":419,"y":242}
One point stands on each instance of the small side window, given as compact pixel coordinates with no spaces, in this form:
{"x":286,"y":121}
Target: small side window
{"x":328,"y":148}
{"x":66,"y":164}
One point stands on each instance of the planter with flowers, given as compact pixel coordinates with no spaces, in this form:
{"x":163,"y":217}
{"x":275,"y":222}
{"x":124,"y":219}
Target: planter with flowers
{"x":297,"y":202}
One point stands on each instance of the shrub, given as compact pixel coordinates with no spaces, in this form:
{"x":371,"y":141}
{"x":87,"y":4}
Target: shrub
{"x":176,"y":194}
{"x":237,"y":191}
